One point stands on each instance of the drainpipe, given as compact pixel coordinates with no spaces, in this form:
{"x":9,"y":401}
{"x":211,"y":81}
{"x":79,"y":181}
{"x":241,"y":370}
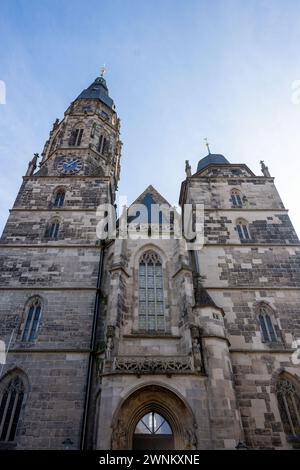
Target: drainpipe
{"x":92,"y":349}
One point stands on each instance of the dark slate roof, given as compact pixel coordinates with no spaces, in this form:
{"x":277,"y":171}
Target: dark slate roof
{"x":211,"y":158}
{"x":203,"y":298}
{"x":145,"y":218}
{"x":98,"y":91}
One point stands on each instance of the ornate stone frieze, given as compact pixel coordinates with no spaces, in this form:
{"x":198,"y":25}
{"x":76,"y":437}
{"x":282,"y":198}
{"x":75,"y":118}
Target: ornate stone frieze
{"x":153,"y":365}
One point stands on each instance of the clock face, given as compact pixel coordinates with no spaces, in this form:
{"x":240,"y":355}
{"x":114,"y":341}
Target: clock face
{"x":70,"y":165}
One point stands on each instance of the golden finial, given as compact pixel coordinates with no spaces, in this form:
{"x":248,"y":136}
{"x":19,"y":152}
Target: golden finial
{"x":207,"y":144}
{"x":103,"y":70}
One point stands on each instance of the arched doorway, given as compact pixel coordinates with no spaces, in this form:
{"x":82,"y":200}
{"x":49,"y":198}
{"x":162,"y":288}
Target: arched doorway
{"x":153,"y":432}
{"x":153,"y":417}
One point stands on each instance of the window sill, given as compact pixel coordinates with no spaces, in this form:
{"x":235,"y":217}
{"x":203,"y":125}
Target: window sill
{"x":294,"y":441}
{"x":274,"y":344}
{"x":25,"y":344}
{"x":8,"y":445}
{"x":148,"y":334}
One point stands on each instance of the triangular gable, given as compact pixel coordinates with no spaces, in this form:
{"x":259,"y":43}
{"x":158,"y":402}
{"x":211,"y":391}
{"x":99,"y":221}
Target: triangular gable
{"x":149,"y":197}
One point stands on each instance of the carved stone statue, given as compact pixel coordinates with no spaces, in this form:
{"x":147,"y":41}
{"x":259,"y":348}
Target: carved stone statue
{"x":197,"y":348}
{"x":110,"y":334}
{"x":191,"y":439}
{"x":188,"y":169}
{"x":55,"y":124}
{"x":118,"y":437}
{"x":197,"y":355}
{"x":264,"y":169}
{"x":32,"y":165}
{"x":109,"y":347}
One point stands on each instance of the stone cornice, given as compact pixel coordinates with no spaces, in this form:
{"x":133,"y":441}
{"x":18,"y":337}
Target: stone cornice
{"x":221,"y":338}
{"x":49,"y":351}
{"x":119,"y":267}
{"x":183,"y":268}
{"x":151,"y":336}
{"x":255,"y":288}
{"x":93,"y":209}
{"x":61,"y":178}
{"x":261,"y":351}
{"x":34,"y":246}
{"x":243,"y":209}
{"x":41,"y":288}
{"x":258,"y":245}
{"x":53,"y":209}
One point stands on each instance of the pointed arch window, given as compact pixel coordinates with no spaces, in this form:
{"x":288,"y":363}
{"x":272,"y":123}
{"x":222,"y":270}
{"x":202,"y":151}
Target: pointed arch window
{"x":243,"y":229}
{"x":59,"y":198}
{"x":11,"y":399}
{"x":52,"y":230}
{"x":76,"y":137}
{"x":153,"y":423}
{"x":102,"y":144}
{"x":266,"y":322}
{"x":151,"y":292}
{"x":33,"y":315}
{"x":93,"y":130}
{"x":289,"y":406}
{"x":236,"y":198}
{"x":99,"y":148}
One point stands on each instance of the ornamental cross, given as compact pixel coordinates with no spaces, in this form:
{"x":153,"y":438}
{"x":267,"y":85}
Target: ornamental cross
{"x":207,"y":144}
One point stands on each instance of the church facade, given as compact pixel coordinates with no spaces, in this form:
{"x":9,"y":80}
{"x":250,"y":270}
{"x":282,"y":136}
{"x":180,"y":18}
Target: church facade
{"x":143,"y":342}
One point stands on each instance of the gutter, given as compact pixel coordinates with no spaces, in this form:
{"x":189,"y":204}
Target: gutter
{"x":83,"y":437}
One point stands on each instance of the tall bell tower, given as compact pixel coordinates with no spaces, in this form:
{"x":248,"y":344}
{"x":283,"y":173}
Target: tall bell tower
{"x":50,"y":260}
{"x":86,"y":141}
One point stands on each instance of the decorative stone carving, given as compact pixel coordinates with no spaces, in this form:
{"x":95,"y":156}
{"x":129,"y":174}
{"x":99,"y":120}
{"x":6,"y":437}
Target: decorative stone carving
{"x":264,"y":169}
{"x":118,"y":436}
{"x":32,"y":165}
{"x":190,"y":438}
{"x":152,"y":365}
{"x":197,"y":349}
{"x":136,"y":405}
{"x":110,"y":334}
{"x":55,"y":124}
{"x":188,"y":170}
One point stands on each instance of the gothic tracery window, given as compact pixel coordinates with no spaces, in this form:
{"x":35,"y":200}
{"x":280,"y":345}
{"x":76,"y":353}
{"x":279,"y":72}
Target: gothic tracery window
{"x":52,"y":230}
{"x":243,"y":229}
{"x":59,"y":198}
{"x":153,"y":423}
{"x":266,"y":323}
{"x":151,"y":294}
{"x":11,"y":399}
{"x":236,"y":198}
{"x":93,"y":130}
{"x":289,"y":407}
{"x":33,"y":314}
{"x":76,"y":137}
{"x":103,"y":144}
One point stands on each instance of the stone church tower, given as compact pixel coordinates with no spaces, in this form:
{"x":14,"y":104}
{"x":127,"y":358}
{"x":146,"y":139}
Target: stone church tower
{"x":143,"y":342}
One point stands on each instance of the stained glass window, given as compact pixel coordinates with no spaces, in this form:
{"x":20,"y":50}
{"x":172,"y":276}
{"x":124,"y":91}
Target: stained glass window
{"x":289,"y":406}
{"x":151,"y":294}
{"x":266,"y":324}
{"x":153,"y":423}
{"x":32,"y":320}
{"x":11,"y":399}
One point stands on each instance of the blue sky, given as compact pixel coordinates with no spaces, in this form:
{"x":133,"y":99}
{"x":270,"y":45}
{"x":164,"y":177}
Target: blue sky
{"x":178,"y":71}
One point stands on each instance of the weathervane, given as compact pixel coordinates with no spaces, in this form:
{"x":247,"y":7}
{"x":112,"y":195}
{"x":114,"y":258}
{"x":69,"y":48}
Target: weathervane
{"x":207,"y":144}
{"x":103,"y":70}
